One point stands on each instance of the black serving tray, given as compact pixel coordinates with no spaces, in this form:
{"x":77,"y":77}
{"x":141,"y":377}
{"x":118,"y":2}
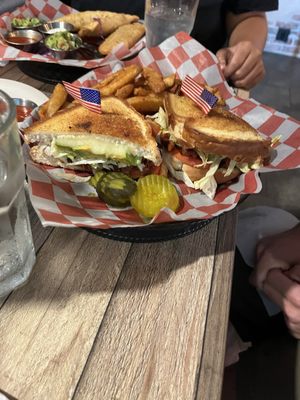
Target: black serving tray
{"x":152,"y":233}
{"x":51,"y":72}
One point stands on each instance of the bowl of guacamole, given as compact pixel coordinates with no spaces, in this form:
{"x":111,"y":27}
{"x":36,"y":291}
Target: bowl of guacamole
{"x":25,"y":23}
{"x":63,"y":44}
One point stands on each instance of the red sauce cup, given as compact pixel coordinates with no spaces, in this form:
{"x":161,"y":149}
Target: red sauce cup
{"x":23,"y":108}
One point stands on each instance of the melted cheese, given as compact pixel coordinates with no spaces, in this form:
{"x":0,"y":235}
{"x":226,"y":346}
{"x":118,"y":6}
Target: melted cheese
{"x":97,"y":146}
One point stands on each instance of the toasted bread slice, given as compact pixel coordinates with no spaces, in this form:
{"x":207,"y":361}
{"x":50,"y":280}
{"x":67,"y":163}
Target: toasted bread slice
{"x":119,"y":127}
{"x":179,"y":108}
{"x":225,"y":134}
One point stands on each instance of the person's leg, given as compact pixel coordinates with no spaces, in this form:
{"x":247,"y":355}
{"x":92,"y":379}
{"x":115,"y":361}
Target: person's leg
{"x":247,"y":312}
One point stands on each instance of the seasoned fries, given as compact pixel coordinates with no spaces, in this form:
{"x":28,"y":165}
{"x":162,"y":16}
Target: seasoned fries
{"x":146,"y":104}
{"x":170,"y":80}
{"x":42,"y":111}
{"x":142,"y":91}
{"x":121,"y":78}
{"x":154,"y":80}
{"x":57,"y":99}
{"x":142,"y":87}
{"x":125,"y":91}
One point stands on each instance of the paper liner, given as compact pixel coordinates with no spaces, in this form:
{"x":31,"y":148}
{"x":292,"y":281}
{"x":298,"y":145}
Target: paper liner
{"x":49,"y":10}
{"x":61,"y":203}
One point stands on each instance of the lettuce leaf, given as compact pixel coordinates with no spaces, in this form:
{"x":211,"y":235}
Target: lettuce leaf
{"x":230,"y":168}
{"x":208,"y":184}
{"x":78,"y":157}
{"x":161,"y":118}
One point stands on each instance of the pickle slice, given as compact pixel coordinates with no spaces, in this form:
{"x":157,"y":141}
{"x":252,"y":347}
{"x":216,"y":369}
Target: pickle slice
{"x":154,"y":192}
{"x":115,"y":188}
{"x":95,"y":178}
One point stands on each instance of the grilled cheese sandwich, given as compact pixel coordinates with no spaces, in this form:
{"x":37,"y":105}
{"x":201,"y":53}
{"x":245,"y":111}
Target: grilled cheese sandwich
{"x":76,"y":138}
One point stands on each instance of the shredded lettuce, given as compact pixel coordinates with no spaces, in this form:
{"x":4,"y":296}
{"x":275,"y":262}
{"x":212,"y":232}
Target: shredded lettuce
{"x":133,"y":160}
{"x":161,"y":118}
{"x":203,"y":156}
{"x":245,"y":167}
{"x":230,"y":168}
{"x":208,"y":184}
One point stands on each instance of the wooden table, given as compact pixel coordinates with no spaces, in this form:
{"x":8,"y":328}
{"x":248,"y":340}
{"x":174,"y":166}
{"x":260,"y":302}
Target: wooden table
{"x":107,"y":320}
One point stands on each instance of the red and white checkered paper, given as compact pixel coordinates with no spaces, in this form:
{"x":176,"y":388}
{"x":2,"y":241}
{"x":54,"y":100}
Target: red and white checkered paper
{"x":61,"y":203}
{"x":49,"y":10}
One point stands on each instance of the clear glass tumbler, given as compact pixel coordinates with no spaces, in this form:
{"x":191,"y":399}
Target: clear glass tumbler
{"x":164,"y":18}
{"x":17,"y":255}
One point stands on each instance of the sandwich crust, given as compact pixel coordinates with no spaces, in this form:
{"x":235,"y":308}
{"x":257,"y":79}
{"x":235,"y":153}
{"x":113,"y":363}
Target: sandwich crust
{"x":242,"y":145}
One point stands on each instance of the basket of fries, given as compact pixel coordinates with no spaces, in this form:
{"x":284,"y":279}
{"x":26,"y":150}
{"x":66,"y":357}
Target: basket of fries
{"x":162,"y":148}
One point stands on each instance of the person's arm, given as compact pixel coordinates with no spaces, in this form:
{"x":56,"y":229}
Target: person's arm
{"x":277,"y":273}
{"x":242,"y":61}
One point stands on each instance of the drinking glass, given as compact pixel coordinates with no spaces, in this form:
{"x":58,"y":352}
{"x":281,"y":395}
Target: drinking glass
{"x":164,"y":18}
{"x":17,"y":255}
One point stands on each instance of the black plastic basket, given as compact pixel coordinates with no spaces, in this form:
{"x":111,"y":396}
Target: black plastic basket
{"x":152,"y":233}
{"x":51,"y":72}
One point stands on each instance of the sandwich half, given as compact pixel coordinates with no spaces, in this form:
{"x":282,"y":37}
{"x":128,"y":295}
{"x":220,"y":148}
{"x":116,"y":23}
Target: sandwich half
{"x":117,"y":139}
{"x":207,"y":150}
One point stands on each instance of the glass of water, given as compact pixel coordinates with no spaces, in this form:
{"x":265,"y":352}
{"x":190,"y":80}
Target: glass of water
{"x":164,"y":18}
{"x":17,"y":255}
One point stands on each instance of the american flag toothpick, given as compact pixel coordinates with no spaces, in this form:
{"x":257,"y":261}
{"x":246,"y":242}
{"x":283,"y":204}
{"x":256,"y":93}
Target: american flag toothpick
{"x":89,"y":98}
{"x":202,"y":97}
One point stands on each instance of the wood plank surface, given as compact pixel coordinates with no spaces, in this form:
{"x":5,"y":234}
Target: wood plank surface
{"x":151,"y":338}
{"x":47,"y":328}
{"x":212,"y":363}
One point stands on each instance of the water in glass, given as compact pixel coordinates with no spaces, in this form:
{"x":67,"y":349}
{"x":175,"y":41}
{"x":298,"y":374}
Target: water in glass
{"x":164,"y":18}
{"x":17,"y":254}
{"x":162,"y":23}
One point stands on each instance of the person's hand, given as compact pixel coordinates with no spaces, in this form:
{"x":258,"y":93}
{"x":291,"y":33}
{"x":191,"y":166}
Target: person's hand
{"x":277,"y":274}
{"x":283,"y":288}
{"x":242,"y":64}
{"x":280,"y":251}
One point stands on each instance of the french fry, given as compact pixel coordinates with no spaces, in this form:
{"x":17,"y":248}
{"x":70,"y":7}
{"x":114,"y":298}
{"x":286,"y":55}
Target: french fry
{"x":125,"y":91}
{"x":169,"y":80}
{"x":125,"y":76}
{"x":43,"y":110}
{"x":146,"y":104}
{"x":110,"y":77}
{"x":57,"y":99}
{"x":142,"y":91}
{"x":140,"y":81}
{"x":154,"y":80}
